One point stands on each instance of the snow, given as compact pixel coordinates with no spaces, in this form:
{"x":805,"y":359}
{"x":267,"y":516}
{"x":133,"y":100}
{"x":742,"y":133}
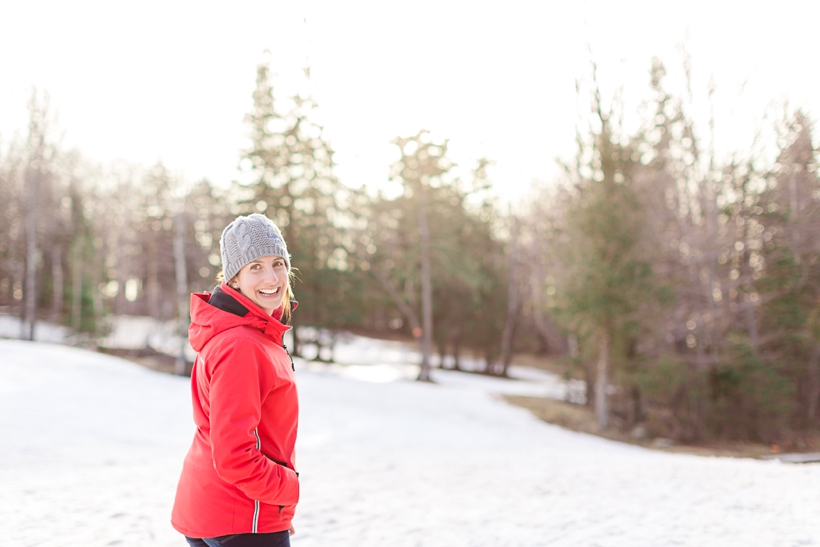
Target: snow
{"x":389,"y":360}
{"x":11,"y":326}
{"x":126,"y":332}
{"x":137,"y":332}
{"x":92,"y":446}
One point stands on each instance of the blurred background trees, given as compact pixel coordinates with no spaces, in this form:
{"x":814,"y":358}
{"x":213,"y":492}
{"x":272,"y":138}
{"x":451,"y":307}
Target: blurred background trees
{"x":291,"y":179}
{"x":684,"y":290}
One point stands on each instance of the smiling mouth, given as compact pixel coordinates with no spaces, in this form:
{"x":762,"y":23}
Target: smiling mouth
{"x":269,"y":292}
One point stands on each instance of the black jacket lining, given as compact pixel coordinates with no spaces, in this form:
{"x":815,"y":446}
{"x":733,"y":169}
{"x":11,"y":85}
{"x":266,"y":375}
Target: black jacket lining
{"x":226,"y":302}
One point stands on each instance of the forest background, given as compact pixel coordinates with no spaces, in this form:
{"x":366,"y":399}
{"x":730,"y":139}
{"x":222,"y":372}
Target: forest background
{"x":680,"y":283}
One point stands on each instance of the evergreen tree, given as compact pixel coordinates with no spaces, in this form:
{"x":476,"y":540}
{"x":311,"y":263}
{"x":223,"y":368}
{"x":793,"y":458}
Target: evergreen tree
{"x":290,"y":165}
{"x":435,"y":252}
{"x":786,"y":268}
{"x":608,"y":277}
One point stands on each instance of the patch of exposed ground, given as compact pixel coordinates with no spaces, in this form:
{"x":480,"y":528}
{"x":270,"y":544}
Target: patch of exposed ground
{"x":581,"y":418}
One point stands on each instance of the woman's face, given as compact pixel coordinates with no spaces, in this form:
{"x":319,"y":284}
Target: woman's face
{"x":264,"y":282}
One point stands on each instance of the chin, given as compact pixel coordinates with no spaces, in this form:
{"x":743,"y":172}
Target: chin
{"x":269,"y":308}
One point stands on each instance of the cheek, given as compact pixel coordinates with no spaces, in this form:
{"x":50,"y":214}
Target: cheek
{"x":245,"y":281}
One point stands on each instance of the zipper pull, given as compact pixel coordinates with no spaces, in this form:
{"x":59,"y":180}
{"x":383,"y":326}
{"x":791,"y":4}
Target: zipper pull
{"x":291,"y":358}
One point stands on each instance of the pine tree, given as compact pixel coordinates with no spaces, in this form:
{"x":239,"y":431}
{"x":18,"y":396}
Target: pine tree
{"x":435,"y":252}
{"x":607,"y":277}
{"x":787,"y":267}
{"x":292,"y":181}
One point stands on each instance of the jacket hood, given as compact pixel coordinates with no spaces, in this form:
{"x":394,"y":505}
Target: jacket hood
{"x":207,"y":320}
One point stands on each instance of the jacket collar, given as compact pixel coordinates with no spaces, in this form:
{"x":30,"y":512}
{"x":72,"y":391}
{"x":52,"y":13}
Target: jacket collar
{"x":208,"y":320}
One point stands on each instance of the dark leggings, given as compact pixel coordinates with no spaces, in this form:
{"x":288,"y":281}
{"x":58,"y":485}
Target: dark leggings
{"x":275,"y":539}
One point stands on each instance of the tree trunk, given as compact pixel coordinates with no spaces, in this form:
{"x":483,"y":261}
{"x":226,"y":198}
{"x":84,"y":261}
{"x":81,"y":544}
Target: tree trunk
{"x":182,"y":290}
{"x":714,"y":280}
{"x":30,"y":291}
{"x":332,"y":347}
{"x":751,"y":320}
{"x":512,"y":306}
{"x":57,"y":280}
{"x":602,"y":382}
{"x":77,"y":287}
{"x":714,"y":277}
{"x":506,"y":358}
{"x":814,"y":386}
{"x":426,"y":290}
{"x":154,"y":309}
{"x":457,"y":351}
{"x":794,"y":206}
{"x":405,"y":309}
{"x":122,"y":277}
{"x":441,"y":345}
{"x":96,"y":294}
{"x":554,"y":342}
{"x":637,"y":404}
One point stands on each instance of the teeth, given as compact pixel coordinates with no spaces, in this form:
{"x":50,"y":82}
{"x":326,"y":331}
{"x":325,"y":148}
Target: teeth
{"x":269,"y":292}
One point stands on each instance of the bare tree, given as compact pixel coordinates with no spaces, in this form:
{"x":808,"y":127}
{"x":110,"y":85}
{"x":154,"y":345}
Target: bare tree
{"x":40,"y":152}
{"x":426,"y":287}
{"x":181,"y":271}
{"x":513,"y":297}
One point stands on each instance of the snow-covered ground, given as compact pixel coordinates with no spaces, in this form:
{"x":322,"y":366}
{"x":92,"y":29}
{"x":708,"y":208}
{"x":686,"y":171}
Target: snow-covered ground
{"x":91,"y":446}
{"x":11,"y":326}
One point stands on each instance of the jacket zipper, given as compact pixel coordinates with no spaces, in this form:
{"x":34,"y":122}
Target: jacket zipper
{"x":256,"y":502}
{"x":285,"y":346}
{"x":259,"y":447}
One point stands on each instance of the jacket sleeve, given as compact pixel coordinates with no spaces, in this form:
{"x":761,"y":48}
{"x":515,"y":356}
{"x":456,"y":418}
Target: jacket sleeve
{"x":236,"y":392}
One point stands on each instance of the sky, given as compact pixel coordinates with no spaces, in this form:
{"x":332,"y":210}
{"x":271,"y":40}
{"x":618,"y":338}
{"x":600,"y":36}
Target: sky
{"x":172,"y":81}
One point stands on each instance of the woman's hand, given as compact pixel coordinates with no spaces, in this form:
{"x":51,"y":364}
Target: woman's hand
{"x":292,"y":530}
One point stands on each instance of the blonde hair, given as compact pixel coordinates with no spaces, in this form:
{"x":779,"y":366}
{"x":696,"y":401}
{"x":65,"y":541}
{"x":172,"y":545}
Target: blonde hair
{"x":286,"y":300}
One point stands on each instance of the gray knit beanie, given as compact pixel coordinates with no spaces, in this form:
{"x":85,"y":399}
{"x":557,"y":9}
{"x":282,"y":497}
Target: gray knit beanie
{"x":247,"y":239}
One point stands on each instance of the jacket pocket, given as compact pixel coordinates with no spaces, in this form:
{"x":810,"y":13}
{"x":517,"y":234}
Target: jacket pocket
{"x":286,"y":511}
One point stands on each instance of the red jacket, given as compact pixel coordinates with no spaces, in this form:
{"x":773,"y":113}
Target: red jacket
{"x":239,"y":475}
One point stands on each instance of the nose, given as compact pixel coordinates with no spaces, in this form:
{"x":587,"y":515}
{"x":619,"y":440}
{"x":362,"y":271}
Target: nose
{"x":270,"y":275}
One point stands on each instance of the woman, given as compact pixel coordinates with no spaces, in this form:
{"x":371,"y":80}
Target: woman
{"x":239,"y":486}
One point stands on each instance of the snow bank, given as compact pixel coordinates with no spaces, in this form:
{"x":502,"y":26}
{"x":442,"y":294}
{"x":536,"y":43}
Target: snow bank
{"x":135,"y":332}
{"x":128,"y":332}
{"x":381,"y":361}
{"x":11,"y":326}
{"x":92,"y":446}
